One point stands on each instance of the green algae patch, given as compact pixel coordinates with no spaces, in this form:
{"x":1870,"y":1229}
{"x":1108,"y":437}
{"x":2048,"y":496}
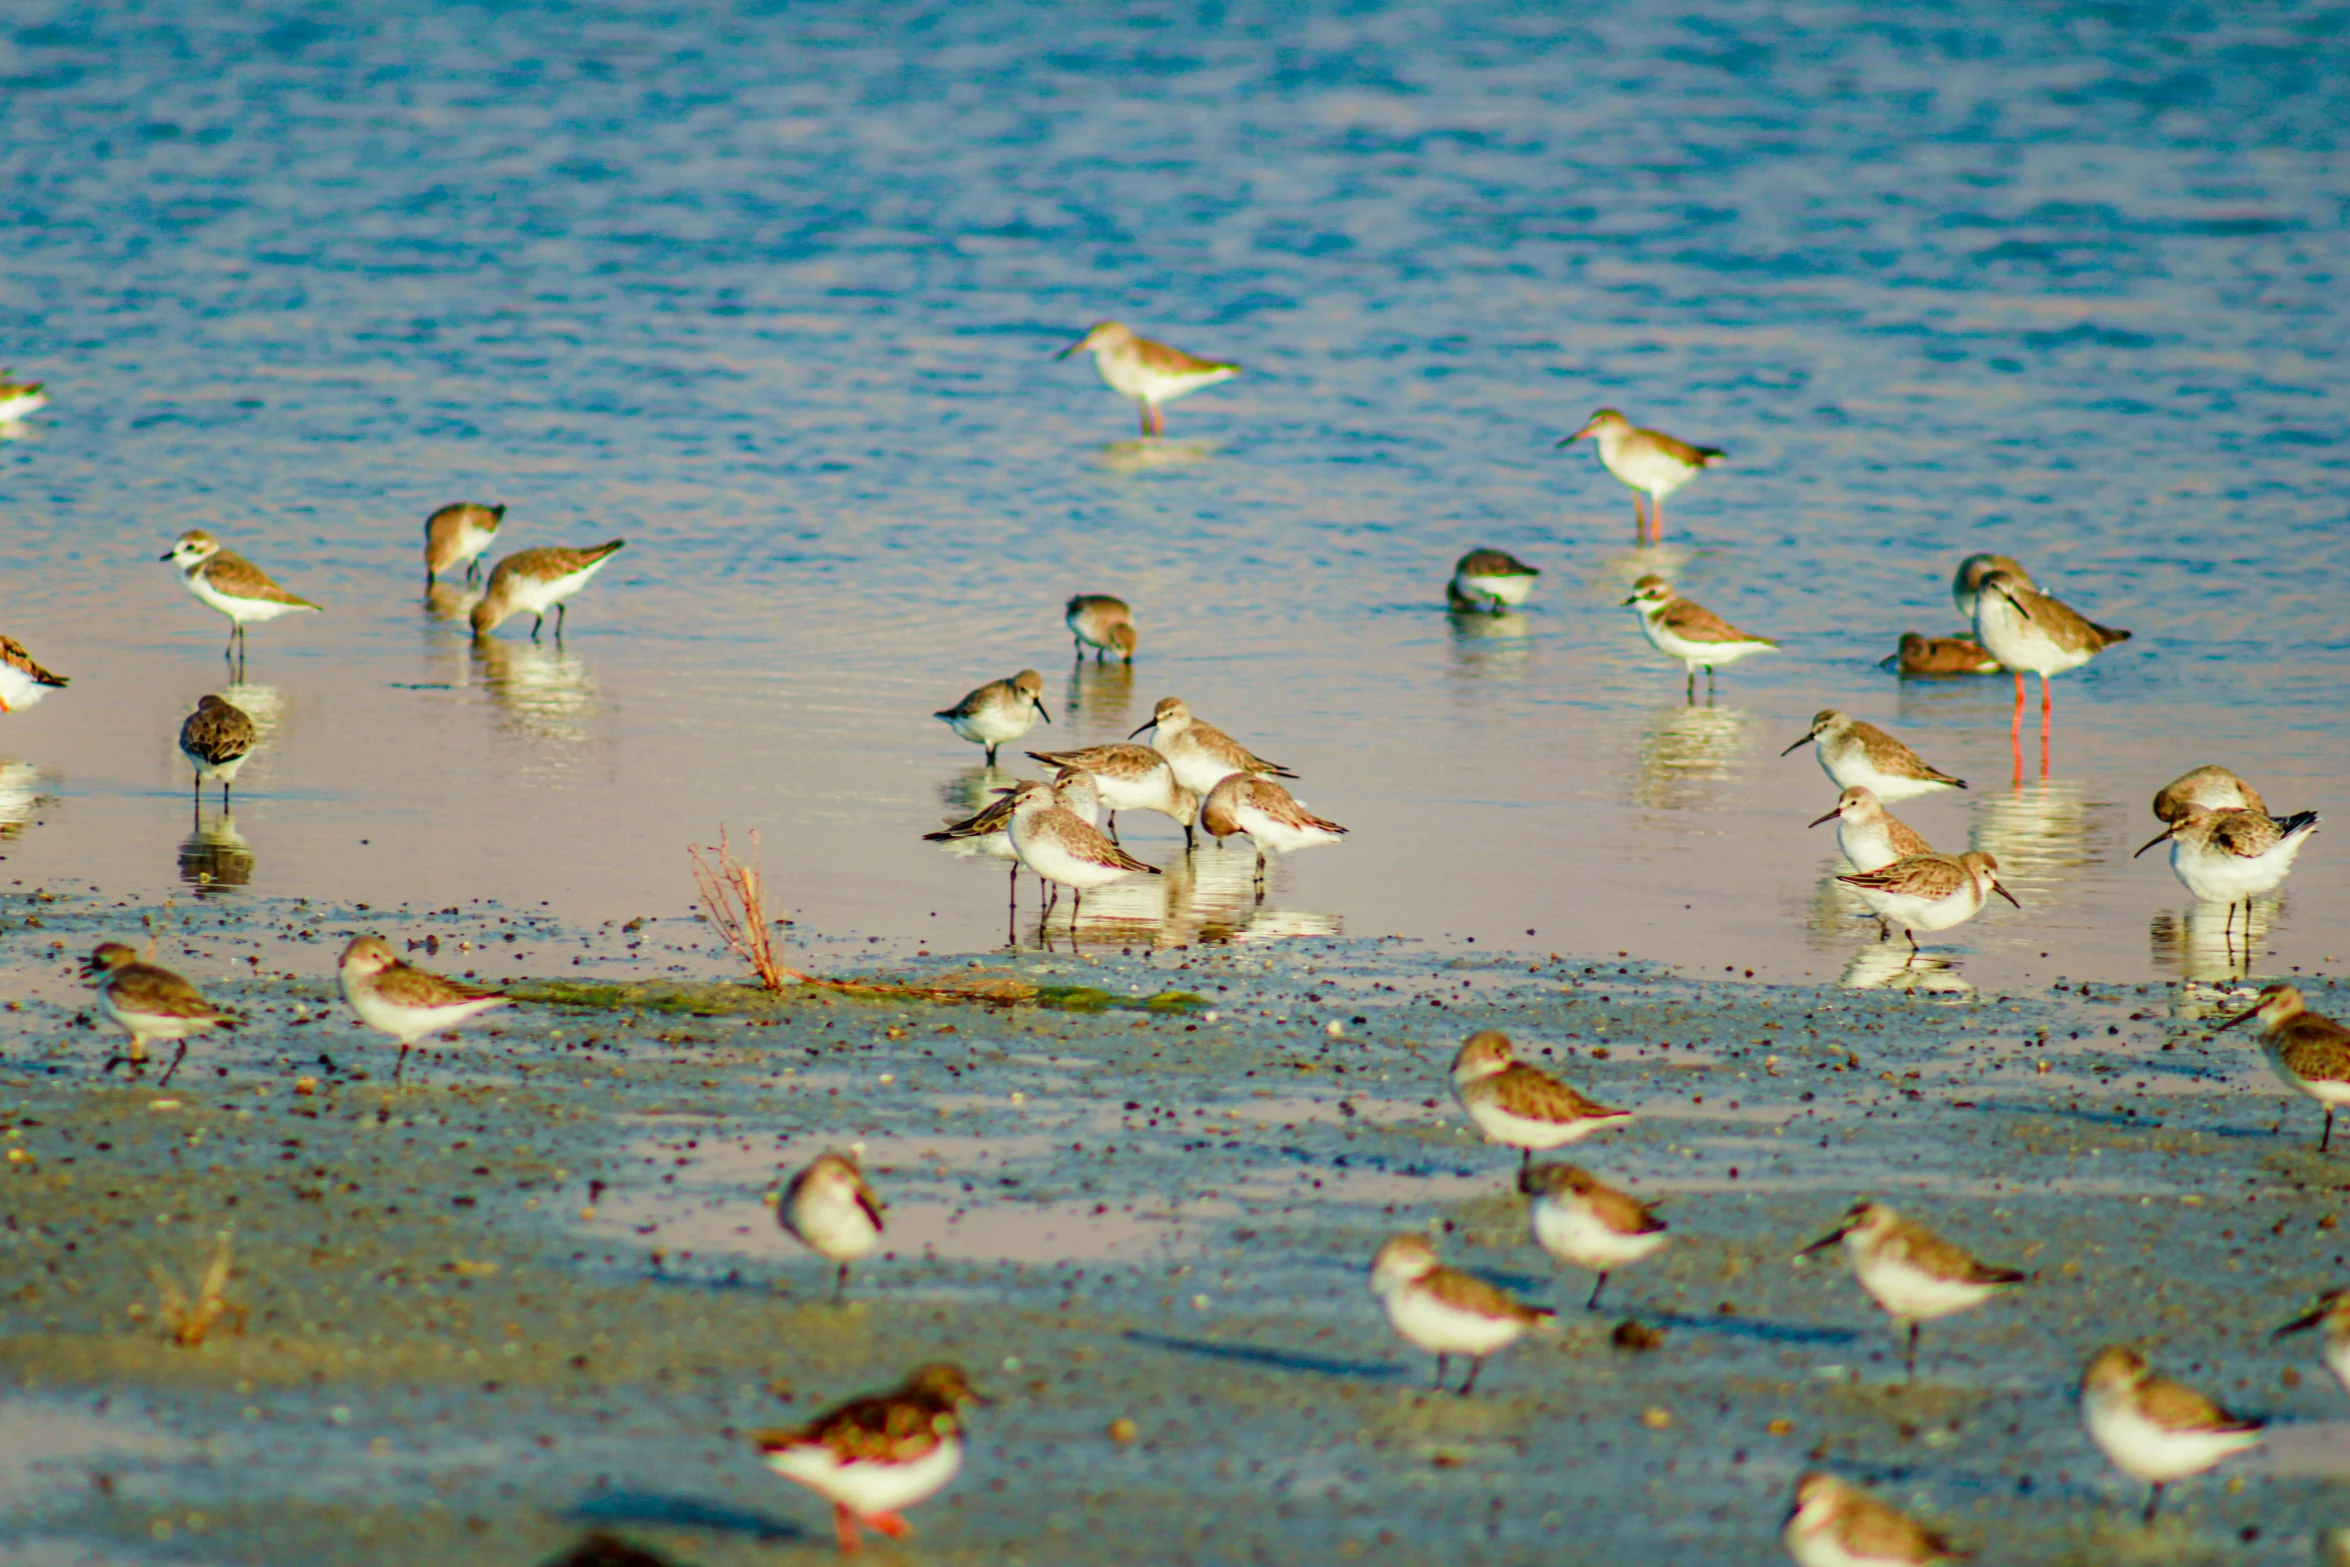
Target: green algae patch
{"x":705,"y":999}
{"x":1085,"y":998}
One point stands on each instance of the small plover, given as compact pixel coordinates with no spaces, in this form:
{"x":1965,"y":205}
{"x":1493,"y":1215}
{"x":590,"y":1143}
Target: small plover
{"x":1921,"y":656}
{"x":1064,"y":849}
{"x":2331,"y":1319}
{"x":456,"y":535}
{"x":1648,"y":462}
{"x":1130,"y":778}
{"x":1966,"y":583}
{"x":1267,"y":814}
{"x":1852,"y":752}
{"x":1580,"y":1219}
{"x":149,"y":1001}
{"x":538,"y":580}
{"x":2154,"y":1429}
{"x":1445,"y":1311}
{"x":230,"y":583}
{"x":998,"y":711}
{"x":1690,"y":632}
{"x":404,"y":1001}
{"x":23,"y":682}
{"x":873,"y":1457}
{"x":2027,"y":630}
{"x":1929,"y":891}
{"x":217,"y":739}
{"x":1150,"y":373}
{"x":1491,"y":580}
{"x":829,"y":1209}
{"x":1520,"y":1106}
{"x":1835,"y":1524}
{"x":2233,"y":856}
{"x":2309,"y":1050}
{"x":1102,"y":623}
{"x":1202,"y":755}
{"x":18,"y":398}
{"x":1914,"y":1275}
{"x":1867,"y":834}
{"x":2212,"y":787}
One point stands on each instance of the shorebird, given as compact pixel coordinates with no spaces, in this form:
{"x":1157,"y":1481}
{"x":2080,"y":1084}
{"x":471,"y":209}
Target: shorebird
{"x":1929,"y":891}
{"x":1520,"y":1106}
{"x":1102,"y":623}
{"x":231,"y":584}
{"x":873,"y":1457}
{"x":1690,"y":632}
{"x":2332,"y":1317}
{"x":18,"y":398}
{"x":1267,"y":814}
{"x":2210,"y":786}
{"x":1201,"y":754}
{"x":1834,"y":1524}
{"x":1648,"y":462}
{"x":150,"y":1002}
{"x":217,"y":739}
{"x":829,"y":1209}
{"x":2233,"y":856}
{"x":1130,"y":778}
{"x":2154,"y":1429}
{"x":1867,"y":834}
{"x":1490,"y":580}
{"x":1914,"y":1275}
{"x":1852,"y":752}
{"x":2309,"y":1050}
{"x":1150,"y":373}
{"x":395,"y":997}
{"x":456,"y":535}
{"x":1445,"y":1311}
{"x":998,"y":711}
{"x":2027,"y":630}
{"x":1921,"y":657}
{"x":989,"y":833}
{"x":23,"y":682}
{"x":539,"y":580}
{"x":1966,"y":584}
{"x":1064,"y":849}
{"x":1580,"y":1219}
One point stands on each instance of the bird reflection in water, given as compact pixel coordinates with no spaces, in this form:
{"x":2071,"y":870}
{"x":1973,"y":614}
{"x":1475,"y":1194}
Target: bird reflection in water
{"x":1886,"y":965}
{"x":265,"y":705}
{"x":216,"y":857}
{"x":1687,"y":753}
{"x":1486,"y":643}
{"x":1146,"y":456}
{"x":2203,"y":943}
{"x":545,"y":693}
{"x":1101,"y":693}
{"x":2043,"y":834}
{"x":450,"y":601}
{"x":20,"y":796}
{"x":1207,"y":897}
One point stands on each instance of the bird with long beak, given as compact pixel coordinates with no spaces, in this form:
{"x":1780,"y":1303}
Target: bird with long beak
{"x":1202,"y":755}
{"x":2154,"y":1429}
{"x":1647,"y":462}
{"x":1929,"y":891}
{"x":1149,"y":372}
{"x":2038,"y":633}
{"x":2309,"y":1050}
{"x":2333,"y":1316}
{"x":1913,"y":1274}
{"x":2233,"y":855}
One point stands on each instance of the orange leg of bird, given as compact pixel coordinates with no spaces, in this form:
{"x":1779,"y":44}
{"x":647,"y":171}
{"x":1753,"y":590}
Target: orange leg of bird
{"x":844,"y":1524}
{"x":890,"y":1524}
{"x":1656,"y":519}
{"x":2015,"y":730}
{"x":2046,"y":712}
{"x":1639,"y":521}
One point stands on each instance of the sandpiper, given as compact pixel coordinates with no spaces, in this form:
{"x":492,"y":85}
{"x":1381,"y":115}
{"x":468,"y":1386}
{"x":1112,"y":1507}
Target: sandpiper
{"x":150,"y":1002}
{"x":829,"y":1209}
{"x":989,"y":833}
{"x":998,"y":711}
{"x":539,"y":580}
{"x":18,"y":398}
{"x":1966,"y":583}
{"x":1268,"y":814}
{"x":1102,"y":623}
{"x":1835,"y":1524}
{"x":875,"y":1456}
{"x":404,"y":1001}
{"x":1150,"y":373}
{"x":1929,"y":891}
{"x":456,"y":535}
{"x":2210,"y":786}
{"x":1852,"y":752}
{"x":1202,"y":755}
{"x":2154,"y":1429}
{"x":1580,"y":1219}
{"x":2233,"y":856}
{"x":23,"y":682}
{"x":1520,"y":1106}
{"x":1445,"y":1311}
{"x":1921,"y":656}
{"x":1649,"y":462}
{"x":2309,"y":1050}
{"x":1867,"y":834}
{"x":1130,"y":778}
{"x":2332,"y":1318}
{"x":1914,"y":1275}
{"x":1489,"y":580}
{"x":230,"y":583}
{"x":2027,"y":630}
{"x":217,"y":739}
{"x":1063,"y":848}
{"x":1690,"y":632}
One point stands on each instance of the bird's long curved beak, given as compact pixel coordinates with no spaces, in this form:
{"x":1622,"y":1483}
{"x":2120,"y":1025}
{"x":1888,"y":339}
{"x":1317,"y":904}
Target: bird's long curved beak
{"x":1823,"y":1243}
{"x":1153,"y":724}
{"x":2003,"y":892}
{"x":2009,"y":595}
{"x":1798,"y":745}
{"x":1831,"y":816}
{"x":2301,"y":1324}
{"x":1066,"y":352}
{"x":2163,"y":836}
{"x":1041,"y":713}
{"x":1577,"y":436}
{"x":2242,"y":1017}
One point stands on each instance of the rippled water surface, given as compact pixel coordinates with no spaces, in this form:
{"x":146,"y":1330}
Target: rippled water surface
{"x":773,"y":293}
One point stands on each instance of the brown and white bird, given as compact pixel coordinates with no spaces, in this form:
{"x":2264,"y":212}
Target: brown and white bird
{"x":1853,"y":752}
{"x":1648,"y":462}
{"x":1929,"y":891}
{"x":231,"y":584}
{"x":2154,"y":1429}
{"x":1063,"y":849}
{"x":404,"y":1001}
{"x":1913,"y":1274}
{"x":1923,"y":657}
{"x":18,"y":398}
{"x":217,"y":739}
{"x":2331,"y":1321}
{"x":1149,"y":372}
{"x":1267,"y":814}
{"x":2027,"y":630}
{"x":1100,"y":622}
{"x":2233,"y":856}
{"x":998,"y":711}
{"x":1202,"y":755}
{"x":1681,"y":629}
{"x":149,"y":1001}
{"x":456,"y":535}
{"x":829,"y":1209}
{"x":1837,"y":1524}
{"x":1867,"y":834}
{"x":873,"y":1457}
{"x":1520,"y":1106}
{"x":2309,"y":1050}
{"x":1445,"y":1311}
{"x":23,"y":682}
{"x":535,"y":581}
{"x":1489,"y":580}
{"x":1580,"y":1219}
{"x":1130,"y":778}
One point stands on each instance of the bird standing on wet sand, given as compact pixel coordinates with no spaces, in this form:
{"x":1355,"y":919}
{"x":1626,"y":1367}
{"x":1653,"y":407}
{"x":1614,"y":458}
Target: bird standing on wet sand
{"x":1852,"y":752}
{"x":1929,"y":891}
{"x":231,"y":584}
{"x":217,"y":739}
{"x":1914,"y":1275}
{"x":998,"y":711}
{"x":2027,"y":630}
{"x":1202,"y":755}
{"x":150,"y":1002}
{"x":1445,"y":1311}
{"x":2332,"y":1320}
{"x":1150,"y":373}
{"x":23,"y":682}
{"x":1520,"y":1106}
{"x":1065,"y":850}
{"x":2154,"y":1429}
{"x":2309,"y":1050}
{"x":1129,"y":778}
{"x":1648,"y":462}
{"x":1835,"y":1524}
{"x":1102,"y":623}
{"x":456,"y":535}
{"x":1267,"y":814}
{"x":829,"y":1209}
{"x":873,"y":1457}
{"x":1867,"y":834}
{"x":1580,"y":1219}
{"x":536,"y":581}
{"x":1921,"y":657}
{"x":1489,"y":580}
{"x":1690,"y":632}
{"x":404,"y":1001}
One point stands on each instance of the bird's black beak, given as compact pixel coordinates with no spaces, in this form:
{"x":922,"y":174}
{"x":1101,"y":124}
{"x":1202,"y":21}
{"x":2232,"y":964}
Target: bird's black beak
{"x":1066,"y":352}
{"x":2301,"y":1324}
{"x":167,"y":554}
{"x":1824,"y":1242}
{"x":1041,"y":713}
{"x":2003,"y":892}
{"x":2241,"y":1017}
{"x":2160,"y":837}
{"x":2009,"y":595}
{"x":1628,"y":603}
{"x":1831,"y":816}
{"x":1153,"y":724}
{"x":1799,"y":745}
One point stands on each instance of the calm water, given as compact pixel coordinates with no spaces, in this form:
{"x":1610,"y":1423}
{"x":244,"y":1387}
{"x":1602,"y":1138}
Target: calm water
{"x":773,"y":295}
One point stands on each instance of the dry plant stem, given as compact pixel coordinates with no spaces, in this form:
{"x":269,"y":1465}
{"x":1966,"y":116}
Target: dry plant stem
{"x":735,"y":899}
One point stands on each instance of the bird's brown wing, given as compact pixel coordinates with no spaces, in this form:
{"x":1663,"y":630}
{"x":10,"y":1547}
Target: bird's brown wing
{"x":1282,"y":806}
{"x":2180,"y":1408}
{"x":1467,"y":1292}
{"x":1493,"y":563}
{"x":884,"y":1427}
{"x":1695,"y":623}
{"x":219,"y":733}
{"x":1169,"y":360}
{"x":12,"y":653}
{"x":1622,"y":1212}
{"x":233,"y":576}
{"x":1874,"y":1531}
{"x":1919,"y":876}
{"x":2246,"y":834}
{"x":405,"y":985}
{"x":158,"y":992}
{"x":1535,"y":1095}
{"x":1932,"y":1254}
{"x":1682,"y":452}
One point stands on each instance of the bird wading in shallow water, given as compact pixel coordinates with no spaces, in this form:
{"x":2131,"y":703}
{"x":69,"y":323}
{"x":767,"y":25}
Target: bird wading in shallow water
{"x":1151,"y":373}
{"x":1648,"y":462}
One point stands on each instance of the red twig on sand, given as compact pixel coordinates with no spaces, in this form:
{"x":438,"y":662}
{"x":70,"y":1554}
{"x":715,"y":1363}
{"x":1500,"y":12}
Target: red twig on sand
{"x":734,"y":898}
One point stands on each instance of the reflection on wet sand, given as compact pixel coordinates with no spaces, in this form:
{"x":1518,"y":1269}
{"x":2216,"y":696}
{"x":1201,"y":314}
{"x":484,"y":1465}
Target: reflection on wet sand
{"x":1206,"y":897}
{"x":1100,"y":694}
{"x":1686,"y":753}
{"x":2041,"y":833}
{"x":545,"y":693}
{"x":20,"y":796}
{"x":216,"y":856}
{"x":971,"y":791}
{"x":1890,"y":965}
{"x":1144,"y":455}
{"x":2212,"y":941}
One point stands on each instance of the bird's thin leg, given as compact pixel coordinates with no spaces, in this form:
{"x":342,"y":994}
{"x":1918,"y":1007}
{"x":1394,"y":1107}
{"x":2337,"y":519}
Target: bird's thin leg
{"x":1190,"y":838}
{"x":890,"y":1524}
{"x":1593,"y":1303}
{"x":561,"y":610}
{"x":1689,"y":687}
{"x":400,"y":1065}
{"x":1525,"y":1164}
{"x":1910,"y":1363}
{"x":1113,"y":817}
{"x":1913,"y":940}
{"x":1656,"y":519}
{"x":1260,"y":867}
{"x":1079,"y":644}
{"x":991,"y":756}
{"x":2326,"y":1139}
{"x":536,"y":621}
{"x":1476,"y":1364}
{"x":840,"y":1284}
{"x":844,"y":1524}
{"x":2154,"y":1502}
{"x":177,"y":1057}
